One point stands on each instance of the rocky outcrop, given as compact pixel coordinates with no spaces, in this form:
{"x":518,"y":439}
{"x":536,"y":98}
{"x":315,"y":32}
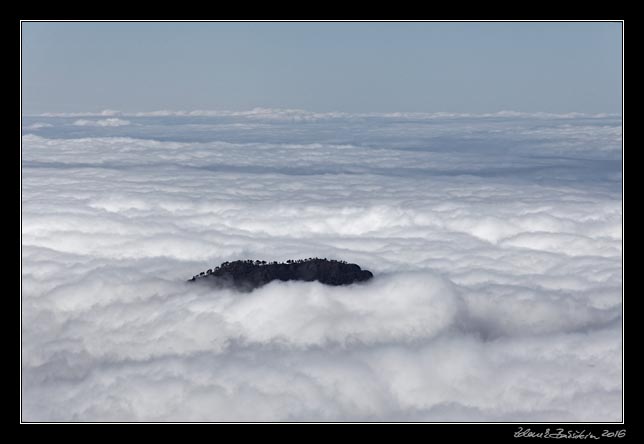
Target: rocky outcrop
{"x":249,"y":274}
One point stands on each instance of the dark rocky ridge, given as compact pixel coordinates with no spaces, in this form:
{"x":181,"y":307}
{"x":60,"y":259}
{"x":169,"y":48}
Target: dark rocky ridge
{"x":249,"y":274}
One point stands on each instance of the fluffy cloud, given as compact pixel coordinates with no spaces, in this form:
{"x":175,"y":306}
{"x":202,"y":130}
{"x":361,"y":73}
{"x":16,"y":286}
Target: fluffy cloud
{"x":496,"y":242}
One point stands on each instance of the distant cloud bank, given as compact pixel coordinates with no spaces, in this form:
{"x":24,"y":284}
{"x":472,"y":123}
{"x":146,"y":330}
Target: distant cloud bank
{"x":303,"y":115}
{"x":102,"y":122}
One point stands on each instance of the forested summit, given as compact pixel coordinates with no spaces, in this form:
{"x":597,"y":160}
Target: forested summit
{"x":250,"y":274}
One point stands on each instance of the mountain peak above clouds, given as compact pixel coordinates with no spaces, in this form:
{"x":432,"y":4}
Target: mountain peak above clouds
{"x":251,"y":274}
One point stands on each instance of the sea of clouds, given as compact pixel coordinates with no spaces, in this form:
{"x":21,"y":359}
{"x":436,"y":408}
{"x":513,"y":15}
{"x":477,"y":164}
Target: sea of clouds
{"x":495,"y":241}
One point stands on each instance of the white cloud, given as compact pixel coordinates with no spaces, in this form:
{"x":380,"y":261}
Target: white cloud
{"x":106,"y":112}
{"x":102,"y":122}
{"x":497,"y":294}
{"x":38,"y":125}
{"x":294,"y":115}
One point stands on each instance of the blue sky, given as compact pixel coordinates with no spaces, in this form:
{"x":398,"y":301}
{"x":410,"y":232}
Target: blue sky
{"x":352,"y":67}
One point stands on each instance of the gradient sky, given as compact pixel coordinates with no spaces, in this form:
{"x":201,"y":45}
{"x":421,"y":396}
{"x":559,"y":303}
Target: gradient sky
{"x":352,"y":67}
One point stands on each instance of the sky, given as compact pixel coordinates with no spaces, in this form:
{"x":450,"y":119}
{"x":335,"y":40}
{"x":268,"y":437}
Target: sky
{"x":347,"y":67}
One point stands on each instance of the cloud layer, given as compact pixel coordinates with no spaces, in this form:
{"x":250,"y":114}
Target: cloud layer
{"x":496,"y":242}
{"x":102,"y":122}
